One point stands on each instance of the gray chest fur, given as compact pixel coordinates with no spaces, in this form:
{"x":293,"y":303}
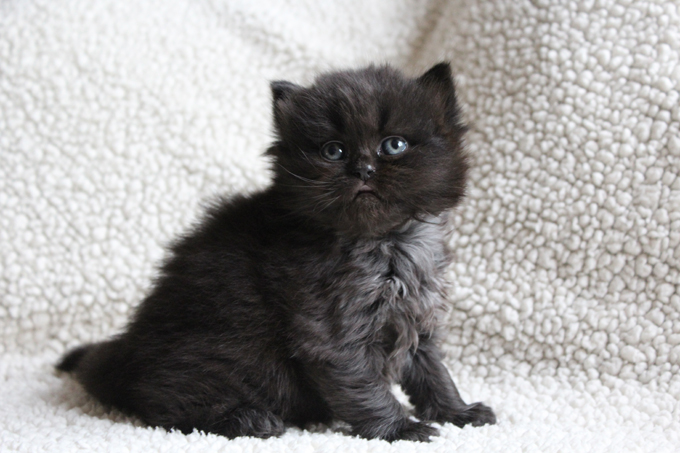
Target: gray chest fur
{"x":402,"y":287}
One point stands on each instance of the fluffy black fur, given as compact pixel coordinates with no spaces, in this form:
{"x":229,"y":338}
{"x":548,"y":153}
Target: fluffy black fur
{"x":306,"y":301}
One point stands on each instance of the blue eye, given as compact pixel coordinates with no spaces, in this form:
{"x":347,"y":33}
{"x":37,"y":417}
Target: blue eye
{"x":393,"y":146}
{"x":332,"y":151}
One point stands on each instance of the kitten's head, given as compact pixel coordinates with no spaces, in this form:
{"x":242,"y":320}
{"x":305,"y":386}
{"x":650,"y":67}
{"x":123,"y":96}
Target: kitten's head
{"x":364,"y":151}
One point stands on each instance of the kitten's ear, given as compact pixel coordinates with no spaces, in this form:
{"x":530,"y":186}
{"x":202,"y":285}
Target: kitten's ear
{"x":439,"y":76}
{"x":281,"y":89}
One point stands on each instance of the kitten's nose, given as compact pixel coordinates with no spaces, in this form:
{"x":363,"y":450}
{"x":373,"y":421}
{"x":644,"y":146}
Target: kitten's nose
{"x":365,"y":172}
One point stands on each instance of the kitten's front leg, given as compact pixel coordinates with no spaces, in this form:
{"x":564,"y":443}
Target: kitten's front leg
{"x":432,"y":391}
{"x":362,"y":398}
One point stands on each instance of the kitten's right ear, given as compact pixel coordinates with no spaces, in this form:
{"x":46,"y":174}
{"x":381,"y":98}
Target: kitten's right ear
{"x":281,"y":89}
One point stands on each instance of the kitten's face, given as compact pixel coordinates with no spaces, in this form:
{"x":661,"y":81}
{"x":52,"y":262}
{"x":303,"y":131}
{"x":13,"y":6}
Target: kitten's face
{"x":364,"y":151}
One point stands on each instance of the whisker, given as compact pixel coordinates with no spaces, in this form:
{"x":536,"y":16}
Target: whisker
{"x":302,"y":178}
{"x":296,"y":186}
{"x":320,"y":196}
{"x":330,"y":202}
{"x":306,"y":157}
{"x":417,"y":217}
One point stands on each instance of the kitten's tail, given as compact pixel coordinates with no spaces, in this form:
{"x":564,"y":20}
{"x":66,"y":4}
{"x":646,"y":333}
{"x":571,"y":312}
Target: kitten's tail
{"x":103,"y":369}
{"x":70,"y":361}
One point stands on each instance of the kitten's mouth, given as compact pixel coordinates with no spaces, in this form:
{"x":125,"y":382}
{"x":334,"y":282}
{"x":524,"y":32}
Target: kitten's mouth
{"x":365,"y":190}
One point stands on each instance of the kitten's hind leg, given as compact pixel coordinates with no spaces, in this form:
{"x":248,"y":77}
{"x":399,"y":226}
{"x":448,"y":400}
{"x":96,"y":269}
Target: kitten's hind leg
{"x":433,"y":393}
{"x":235,"y":422}
{"x":249,"y":422}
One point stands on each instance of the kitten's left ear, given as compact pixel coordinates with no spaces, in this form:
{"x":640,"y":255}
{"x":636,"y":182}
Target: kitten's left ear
{"x":281,"y":89}
{"x":439,"y":76}
{"x":440,"y":79}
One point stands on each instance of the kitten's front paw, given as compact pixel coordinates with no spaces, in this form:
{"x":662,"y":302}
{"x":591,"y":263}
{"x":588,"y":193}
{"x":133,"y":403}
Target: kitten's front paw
{"x":475,"y":414}
{"x":413,"y":431}
{"x":478,"y":414}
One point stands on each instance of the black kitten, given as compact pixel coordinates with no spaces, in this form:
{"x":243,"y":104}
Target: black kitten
{"x":305,"y":302}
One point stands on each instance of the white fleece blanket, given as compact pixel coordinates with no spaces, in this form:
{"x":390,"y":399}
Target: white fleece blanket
{"x":119,"y":118}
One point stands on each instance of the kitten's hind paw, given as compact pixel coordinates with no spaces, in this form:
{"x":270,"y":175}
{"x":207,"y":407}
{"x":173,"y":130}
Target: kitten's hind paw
{"x":476,"y":414}
{"x":247,"y":422}
{"x":413,"y":431}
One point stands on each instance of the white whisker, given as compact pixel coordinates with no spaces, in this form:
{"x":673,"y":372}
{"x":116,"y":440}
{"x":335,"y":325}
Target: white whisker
{"x":302,"y":178}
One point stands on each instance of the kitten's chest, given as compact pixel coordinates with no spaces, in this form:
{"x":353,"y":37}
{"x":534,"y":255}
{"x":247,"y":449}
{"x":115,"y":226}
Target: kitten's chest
{"x":403,"y":290}
{"x":401,"y":283}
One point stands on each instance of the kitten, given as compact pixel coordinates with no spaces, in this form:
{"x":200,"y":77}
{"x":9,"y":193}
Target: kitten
{"x":306,"y":301}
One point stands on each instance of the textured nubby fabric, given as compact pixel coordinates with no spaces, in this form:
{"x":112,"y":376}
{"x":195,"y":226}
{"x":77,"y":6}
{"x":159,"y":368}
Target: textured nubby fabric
{"x":120,"y":119}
